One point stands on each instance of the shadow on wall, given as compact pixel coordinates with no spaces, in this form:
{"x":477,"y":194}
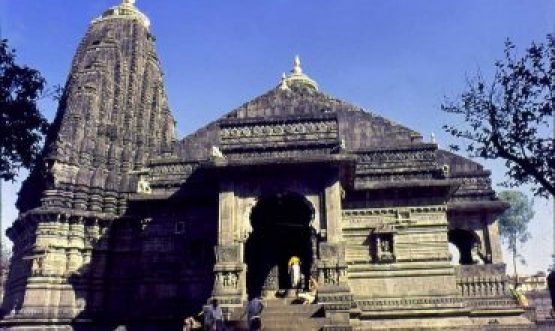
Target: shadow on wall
{"x":149,"y":269}
{"x":153,"y":267}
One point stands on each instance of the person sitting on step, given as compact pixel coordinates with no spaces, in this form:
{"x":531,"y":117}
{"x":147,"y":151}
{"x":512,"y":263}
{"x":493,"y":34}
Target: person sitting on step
{"x":309,"y":296}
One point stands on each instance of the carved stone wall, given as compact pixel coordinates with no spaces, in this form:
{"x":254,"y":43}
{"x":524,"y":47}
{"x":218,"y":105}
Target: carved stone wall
{"x":418,"y":238}
{"x":113,"y":118}
{"x":118,"y":214}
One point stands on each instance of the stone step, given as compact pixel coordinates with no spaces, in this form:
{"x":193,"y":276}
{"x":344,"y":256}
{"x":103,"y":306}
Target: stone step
{"x":281,"y":314}
{"x":298,"y":309}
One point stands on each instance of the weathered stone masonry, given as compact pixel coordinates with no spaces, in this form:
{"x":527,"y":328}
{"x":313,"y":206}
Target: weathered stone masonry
{"x":123,"y":224}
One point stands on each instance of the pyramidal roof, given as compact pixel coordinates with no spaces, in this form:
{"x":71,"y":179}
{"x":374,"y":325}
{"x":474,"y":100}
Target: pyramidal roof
{"x":298,"y":97}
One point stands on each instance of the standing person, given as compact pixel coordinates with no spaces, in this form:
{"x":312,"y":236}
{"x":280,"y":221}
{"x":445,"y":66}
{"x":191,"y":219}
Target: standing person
{"x":208,"y":321}
{"x":254,"y":311}
{"x":295,"y":271}
{"x":216,"y":316}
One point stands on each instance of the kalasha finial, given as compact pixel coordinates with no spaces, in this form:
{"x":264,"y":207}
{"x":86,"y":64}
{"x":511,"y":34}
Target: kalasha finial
{"x":297,"y":77}
{"x":129,"y":2}
{"x":297,"y":65}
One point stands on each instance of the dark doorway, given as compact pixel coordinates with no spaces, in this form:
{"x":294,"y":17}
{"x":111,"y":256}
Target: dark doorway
{"x":465,"y":240}
{"x":281,"y":229}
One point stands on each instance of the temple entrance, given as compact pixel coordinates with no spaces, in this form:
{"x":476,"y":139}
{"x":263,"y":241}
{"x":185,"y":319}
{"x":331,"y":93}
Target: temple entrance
{"x":281,"y":229}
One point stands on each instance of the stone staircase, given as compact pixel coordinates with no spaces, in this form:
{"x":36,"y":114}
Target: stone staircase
{"x":284,"y":314}
{"x":540,"y":303}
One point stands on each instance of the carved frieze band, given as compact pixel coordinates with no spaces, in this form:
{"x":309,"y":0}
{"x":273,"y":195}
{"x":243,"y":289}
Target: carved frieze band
{"x":281,"y":153}
{"x":160,"y":172}
{"x":393,"y":211}
{"x":374,"y":217}
{"x":380,"y":304}
{"x":378,"y":158}
{"x":240,"y":134}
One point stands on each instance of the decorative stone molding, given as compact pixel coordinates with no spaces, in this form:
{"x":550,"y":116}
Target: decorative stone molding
{"x":394,"y":211}
{"x":400,"y":156}
{"x":276,"y":154}
{"x":228,"y":280}
{"x":314,"y":130}
{"x":228,"y":254}
{"x":414,"y":303}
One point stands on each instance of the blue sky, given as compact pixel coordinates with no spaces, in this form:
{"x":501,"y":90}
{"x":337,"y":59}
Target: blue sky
{"x":397,"y":58}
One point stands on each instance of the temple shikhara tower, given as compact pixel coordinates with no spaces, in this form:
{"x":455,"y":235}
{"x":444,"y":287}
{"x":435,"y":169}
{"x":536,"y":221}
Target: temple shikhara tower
{"x":123,"y":225}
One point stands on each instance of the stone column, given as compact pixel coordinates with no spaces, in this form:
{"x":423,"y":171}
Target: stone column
{"x":492,"y":231}
{"x":334,"y":292}
{"x":226,"y":213}
{"x":332,"y":200}
{"x":229,"y":270}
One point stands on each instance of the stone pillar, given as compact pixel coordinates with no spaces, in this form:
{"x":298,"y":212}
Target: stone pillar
{"x":334,"y":292}
{"x":229,"y":278}
{"x":226,"y":214}
{"x":492,"y":231}
{"x":332,"y":200}
{"x":229,"y":270}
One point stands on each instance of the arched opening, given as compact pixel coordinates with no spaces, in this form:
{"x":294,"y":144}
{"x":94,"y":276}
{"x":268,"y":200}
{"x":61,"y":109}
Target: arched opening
{"x":281,"y":229}
{"x":466,"y":243}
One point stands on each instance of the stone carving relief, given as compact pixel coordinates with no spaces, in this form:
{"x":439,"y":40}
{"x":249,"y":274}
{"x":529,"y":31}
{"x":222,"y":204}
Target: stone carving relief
{"x":278,"y":153}
{"x":382,"y":244}
{"x":319,"y":128}
{"x":271,"y":282}
{"x":381,"y":157}
{"x":216,"y":153}
{"x":227,"y":253}
{"x":185,"y":169}
{"x":330,"y":277}
{"x":143,"y":185}
{"x":227,"y":279}
{"x":385,"y":249}
{"x":37,"y":268}
{"x":333,"y":275}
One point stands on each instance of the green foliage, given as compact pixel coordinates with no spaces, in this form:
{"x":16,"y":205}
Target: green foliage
{"x":513,"y":223}
{"x":5,"y":256}
{"x":510,"y":117}
{"x":22,"y":126}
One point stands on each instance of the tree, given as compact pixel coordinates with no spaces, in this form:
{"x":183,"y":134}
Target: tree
{"x":22,"y":126}
{"x":513,"y":223}
{"x":510,"y":117}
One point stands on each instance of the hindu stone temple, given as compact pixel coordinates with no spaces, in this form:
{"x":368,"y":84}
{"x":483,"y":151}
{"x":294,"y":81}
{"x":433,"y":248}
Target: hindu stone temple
{"x":124,"y":226}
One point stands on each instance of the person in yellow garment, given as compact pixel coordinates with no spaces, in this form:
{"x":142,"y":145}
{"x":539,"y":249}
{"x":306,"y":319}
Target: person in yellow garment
{"x":295,"y":271}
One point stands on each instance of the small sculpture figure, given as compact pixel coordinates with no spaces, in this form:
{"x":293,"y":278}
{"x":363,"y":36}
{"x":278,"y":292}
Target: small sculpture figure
{"x":226,"y":279}
{"x":233,"y":280}
{"x":216,"y":153}
{"x":143,"y":186}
